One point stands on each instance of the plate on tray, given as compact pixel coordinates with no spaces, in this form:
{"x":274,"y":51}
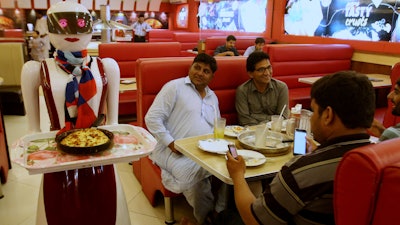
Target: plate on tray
{"x":252,"y":158}
{"x":283,"y":125}
{"x":219,"y":146}
{"x":233,"y":131}
{"x":273,"y":147}
{"x":38,"y":153}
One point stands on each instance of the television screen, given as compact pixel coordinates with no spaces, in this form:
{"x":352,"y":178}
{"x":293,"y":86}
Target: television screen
{"x":365,"y":20}
{"x":238,"y":15}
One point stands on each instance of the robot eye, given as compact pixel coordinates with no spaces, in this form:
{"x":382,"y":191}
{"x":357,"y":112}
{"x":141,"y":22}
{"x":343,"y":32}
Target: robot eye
{"x":81,"y":23}
{"x":63,"y":23}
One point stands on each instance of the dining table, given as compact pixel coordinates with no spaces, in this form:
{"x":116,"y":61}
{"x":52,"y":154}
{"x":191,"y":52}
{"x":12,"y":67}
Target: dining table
{"x":216,"y":163}
{"x":377,"y":80}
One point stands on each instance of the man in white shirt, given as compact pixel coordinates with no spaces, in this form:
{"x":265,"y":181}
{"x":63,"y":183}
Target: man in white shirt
{"x":258,"y":46}
{"x":185,"y":107}
{"x":141,"y":28}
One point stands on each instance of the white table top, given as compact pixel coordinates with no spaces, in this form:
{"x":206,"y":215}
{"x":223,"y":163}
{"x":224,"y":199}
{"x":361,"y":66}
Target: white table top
{"x":216,"y":163}
{"x":127,"y":84}
{"x":378,"y":80}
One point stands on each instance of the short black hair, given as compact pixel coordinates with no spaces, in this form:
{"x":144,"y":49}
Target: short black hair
{"x":260,"y":40}
{"x":206,"y":59}
{"x":231,"y":38}
{"x":141,"y":15}
{"x":349,"y":94}
{"x":255,"y":58}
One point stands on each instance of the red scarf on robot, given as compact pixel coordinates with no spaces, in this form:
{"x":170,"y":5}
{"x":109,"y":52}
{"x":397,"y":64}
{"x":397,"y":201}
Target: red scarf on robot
{"x":78,"y":110}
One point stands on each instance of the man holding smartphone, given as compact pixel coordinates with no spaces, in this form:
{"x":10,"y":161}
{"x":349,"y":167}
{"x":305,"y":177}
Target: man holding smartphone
{"x":344,"y":106}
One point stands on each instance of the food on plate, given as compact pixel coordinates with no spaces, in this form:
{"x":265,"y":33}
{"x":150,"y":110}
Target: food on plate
{"x":87,"y":137}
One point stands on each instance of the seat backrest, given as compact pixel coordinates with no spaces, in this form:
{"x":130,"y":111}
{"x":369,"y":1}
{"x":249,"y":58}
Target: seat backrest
{"x":152,"y":74}
{"x":126,"y":54}
{"x":389,"y":119}
{"x":387,"y":206}
{"x":358,"y":180}
{"x":292,"y":61}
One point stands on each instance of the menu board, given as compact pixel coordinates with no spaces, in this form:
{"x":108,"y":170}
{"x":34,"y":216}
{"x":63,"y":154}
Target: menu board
{"x":364,"y":20}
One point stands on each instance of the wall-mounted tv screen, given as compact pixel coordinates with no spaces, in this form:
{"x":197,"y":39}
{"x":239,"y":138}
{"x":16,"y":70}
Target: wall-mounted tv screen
{"x":237,"y":15}
{"x":365,"y":20}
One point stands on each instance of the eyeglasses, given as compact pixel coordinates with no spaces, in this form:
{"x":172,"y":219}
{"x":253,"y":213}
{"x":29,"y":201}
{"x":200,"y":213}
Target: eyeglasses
{"x":263,"y":69}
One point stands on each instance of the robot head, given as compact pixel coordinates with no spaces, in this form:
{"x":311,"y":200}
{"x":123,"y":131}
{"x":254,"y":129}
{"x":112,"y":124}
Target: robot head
{"x":70,"y":26}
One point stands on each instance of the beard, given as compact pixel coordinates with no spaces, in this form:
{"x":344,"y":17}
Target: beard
{"x":396,"y":110}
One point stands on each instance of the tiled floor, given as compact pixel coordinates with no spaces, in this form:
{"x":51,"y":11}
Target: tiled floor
{"x":18,"y":207}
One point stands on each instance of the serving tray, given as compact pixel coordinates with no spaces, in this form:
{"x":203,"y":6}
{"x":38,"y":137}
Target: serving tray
{"x":38,"y":153}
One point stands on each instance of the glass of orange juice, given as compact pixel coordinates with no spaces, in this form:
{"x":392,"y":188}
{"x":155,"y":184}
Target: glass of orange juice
{"x":219,"y":128}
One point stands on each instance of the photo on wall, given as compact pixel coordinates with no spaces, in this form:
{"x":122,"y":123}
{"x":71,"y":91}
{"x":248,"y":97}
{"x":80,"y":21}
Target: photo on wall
{"x":363,"y":20}
{"x":238,"y":15}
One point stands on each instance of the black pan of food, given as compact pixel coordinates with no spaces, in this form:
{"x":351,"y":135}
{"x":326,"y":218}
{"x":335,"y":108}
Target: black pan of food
{"x":85,"y":141}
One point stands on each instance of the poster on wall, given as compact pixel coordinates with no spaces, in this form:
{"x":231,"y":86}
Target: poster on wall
{"x":182,"y":18}
{"x":237,"y":15}
{"x":365,"y":20}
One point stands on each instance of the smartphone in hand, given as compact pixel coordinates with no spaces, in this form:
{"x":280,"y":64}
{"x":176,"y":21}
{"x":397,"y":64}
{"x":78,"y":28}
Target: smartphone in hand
{"x":300,"y":142}
{"x":232,"y":150}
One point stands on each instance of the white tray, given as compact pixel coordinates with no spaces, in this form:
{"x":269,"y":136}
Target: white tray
{"x":53,"y":160}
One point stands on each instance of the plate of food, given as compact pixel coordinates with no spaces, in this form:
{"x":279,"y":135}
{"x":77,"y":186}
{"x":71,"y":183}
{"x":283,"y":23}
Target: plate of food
{"x":219,"y":146}
{"x":252,"y":158}
{"x":84,"y":141}
{"x":274,"y":143}
{"x":283,"y":125}
{"x":233,"y":131}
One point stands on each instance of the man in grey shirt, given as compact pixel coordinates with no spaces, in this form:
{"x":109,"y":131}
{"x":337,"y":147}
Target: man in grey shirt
{"x":261,"y":96}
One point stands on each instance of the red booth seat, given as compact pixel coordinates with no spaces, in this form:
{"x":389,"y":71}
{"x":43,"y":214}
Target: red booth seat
{"x":366,"y":186}
{"x":293,"y":61}
{"x":126,"y":55}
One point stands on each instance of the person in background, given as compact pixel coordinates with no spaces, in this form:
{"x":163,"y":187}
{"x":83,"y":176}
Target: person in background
{"x":185,"y":107}
{"x":228,"y":49}
{"x":258,"y":46}
{"x":377,"y":128}
{"x":141,"y":28}
{"x":37,"y":47}
{"x":261,"y":96}
{"x":302,"y":191}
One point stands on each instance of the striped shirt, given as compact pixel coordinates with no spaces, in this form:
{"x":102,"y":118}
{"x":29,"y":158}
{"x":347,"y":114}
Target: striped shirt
{"x":302,"y":192}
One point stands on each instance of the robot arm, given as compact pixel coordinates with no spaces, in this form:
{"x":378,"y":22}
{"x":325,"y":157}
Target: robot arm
{"x":30,"y":82}
{"x":111,"y":70}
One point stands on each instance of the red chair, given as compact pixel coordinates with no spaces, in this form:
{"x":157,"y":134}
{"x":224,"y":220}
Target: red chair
{"x":389,"y":119}
{"x":149,"y":79}
{"x":367,"y":185}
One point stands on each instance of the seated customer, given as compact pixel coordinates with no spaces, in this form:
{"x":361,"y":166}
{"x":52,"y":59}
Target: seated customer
{"x":377,"y":128}
{"x":228,"y":49}
{"x":257,"y":47}
{"x":302,"y":191}
{"x":261,"y":96}
{"x":185,"y":107}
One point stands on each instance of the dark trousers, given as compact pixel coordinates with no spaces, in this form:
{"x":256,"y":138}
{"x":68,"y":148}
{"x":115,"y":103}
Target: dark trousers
{"x":139,"y":38}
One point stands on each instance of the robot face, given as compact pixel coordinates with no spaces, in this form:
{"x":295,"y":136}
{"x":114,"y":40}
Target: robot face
{"x":69,"y":23}
{"x":70,"y":26}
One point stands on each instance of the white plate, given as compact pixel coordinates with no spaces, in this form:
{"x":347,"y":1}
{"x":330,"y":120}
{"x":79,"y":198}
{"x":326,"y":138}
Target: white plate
{"x":283,"y":125}
{"x":233,"y":131}
{"x":219,"y":146}
{"x":252,"y":158}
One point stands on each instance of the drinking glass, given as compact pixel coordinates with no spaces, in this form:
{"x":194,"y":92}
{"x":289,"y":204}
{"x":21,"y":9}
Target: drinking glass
{"x":276,"y":123}
{"x":219,"y":128}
